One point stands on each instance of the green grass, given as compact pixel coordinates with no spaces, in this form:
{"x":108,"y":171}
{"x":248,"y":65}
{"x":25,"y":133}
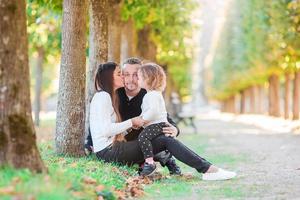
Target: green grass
{"x":195,"y":188}
{"x":65,"y":179}
{"x":66,"y":176}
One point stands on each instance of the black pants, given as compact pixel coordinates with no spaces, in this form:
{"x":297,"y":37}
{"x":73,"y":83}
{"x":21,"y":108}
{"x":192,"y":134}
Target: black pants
{"x":130,"y":153}
{"x":147,"y":135}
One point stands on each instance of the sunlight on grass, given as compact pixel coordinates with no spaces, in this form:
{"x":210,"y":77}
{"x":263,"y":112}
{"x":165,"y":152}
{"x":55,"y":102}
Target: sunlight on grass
{"x":67,"y":179}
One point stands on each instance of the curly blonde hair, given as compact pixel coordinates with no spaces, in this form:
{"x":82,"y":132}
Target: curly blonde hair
{"x":154,"y":76}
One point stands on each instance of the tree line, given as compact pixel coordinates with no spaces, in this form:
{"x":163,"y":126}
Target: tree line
{"x":257,"y":64}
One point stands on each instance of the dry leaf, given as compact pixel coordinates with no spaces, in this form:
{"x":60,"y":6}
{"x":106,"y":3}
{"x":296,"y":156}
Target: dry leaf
{"x":15,"y":181}
{"x":73,"y":165}
{"x":9,"y":190}
{"x":89,"y":180}
{"x":121,"y":195}
{"x":99,"y":188}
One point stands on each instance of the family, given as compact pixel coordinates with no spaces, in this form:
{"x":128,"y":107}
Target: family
{"x":129,"y":123}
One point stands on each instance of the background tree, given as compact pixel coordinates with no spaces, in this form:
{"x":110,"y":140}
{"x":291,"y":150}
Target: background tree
{"x":69,"y":138}
{"x":98,"y":47}
{"x":44,"y":23}
{"x":17,"y":136}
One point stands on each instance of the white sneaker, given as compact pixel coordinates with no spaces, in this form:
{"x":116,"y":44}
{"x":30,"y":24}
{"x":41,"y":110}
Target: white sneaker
{"x":221,"y":174}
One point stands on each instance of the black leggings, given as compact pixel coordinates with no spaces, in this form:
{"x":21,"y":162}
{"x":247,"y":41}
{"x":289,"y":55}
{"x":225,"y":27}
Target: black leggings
{"x":147,"y":135}
{"x":130,"y":153}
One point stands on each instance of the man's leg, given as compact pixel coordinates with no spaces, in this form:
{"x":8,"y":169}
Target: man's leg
{"x":166,"y":160}
{"x":88,"y":144}
{"x":180,"y":152}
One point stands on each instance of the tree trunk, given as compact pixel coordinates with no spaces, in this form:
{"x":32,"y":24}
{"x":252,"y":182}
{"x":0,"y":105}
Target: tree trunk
{"x":259,"y":99}
{"x":232,"y":104}
{"x":287,"y":87}
{"x":114,"y":30}
{"x":128,"y":40}
{"x":274,"y":98}
{"x":69,"y":136}
{"x":38,"y":85}
{"x":146,"y":48}
{"x":243,"y":102}
{"x":17,"y":135}
{"x":252,"y":97}
{"x":98,"y":48}
{"x":296,"y":96}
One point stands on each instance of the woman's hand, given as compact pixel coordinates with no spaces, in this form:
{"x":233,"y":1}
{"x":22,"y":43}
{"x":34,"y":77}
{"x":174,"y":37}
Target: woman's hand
{"x":170,"y":130}
{"x":137,"y":122}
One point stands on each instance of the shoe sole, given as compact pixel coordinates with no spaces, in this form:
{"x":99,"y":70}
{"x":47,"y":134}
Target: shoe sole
{"x":219,"y":179}
{"x":150,"y":173}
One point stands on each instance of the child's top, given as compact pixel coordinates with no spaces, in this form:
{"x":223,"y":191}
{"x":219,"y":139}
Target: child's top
{"x":154,"y":108}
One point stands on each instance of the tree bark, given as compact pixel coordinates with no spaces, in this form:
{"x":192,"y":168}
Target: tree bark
{"x":38,"y":85}
{"x":114,"y":30}
{"x":252,"y":98}
{"x":146,"y":48}
{"x":17,"y":135}
{"x":98,"y":47}
{"x":259,"y":99}
{"x":243,"y":102}
{"x":69,"y":136}
{"x":296,"y":96}
{"x":128,"y":40}
{"x":287,"y":87}
{"x":274,"y":98}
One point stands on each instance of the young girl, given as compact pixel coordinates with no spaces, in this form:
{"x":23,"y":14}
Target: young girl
{"x":151,"y":77}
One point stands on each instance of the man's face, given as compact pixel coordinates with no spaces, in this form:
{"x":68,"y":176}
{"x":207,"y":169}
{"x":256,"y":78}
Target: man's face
{"x":130,"y":77}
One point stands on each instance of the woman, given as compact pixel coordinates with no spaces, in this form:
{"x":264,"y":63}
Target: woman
{"x":107,"y":130}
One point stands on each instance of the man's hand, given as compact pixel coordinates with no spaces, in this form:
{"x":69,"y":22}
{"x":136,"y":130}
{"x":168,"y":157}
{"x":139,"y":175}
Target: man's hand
{"x":170,"y":130}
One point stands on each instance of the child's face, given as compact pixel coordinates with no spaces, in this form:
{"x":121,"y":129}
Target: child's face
{"x":141,"y":80}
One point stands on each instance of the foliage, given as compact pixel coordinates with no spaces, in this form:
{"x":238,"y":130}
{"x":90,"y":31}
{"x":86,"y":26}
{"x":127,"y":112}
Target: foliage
{"x":260,"y":38}
{"x":44,"y":31}
{"x":171,"y":26}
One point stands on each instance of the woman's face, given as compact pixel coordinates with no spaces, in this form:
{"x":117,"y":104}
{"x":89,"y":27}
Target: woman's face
{"x":118,"y":81}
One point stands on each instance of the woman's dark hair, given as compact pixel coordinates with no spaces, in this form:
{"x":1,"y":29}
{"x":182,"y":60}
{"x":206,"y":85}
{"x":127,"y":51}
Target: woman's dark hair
{"x":104,"y":81}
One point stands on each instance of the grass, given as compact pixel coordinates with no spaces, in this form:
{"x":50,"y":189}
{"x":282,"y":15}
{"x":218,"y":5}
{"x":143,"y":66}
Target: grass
{"x":79,"y":178}
{"x":68,"y":178}
{"x":193,"y":187}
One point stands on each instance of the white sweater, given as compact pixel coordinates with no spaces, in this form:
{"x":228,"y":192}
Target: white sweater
{"x":102,"y":121}
{"x":154,"y":108}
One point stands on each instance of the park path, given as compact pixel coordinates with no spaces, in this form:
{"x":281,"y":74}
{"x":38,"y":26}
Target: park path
{"x":272,"y":166}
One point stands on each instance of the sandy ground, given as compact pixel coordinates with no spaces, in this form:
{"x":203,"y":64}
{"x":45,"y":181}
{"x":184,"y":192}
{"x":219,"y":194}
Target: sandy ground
{"x":273,"y":163}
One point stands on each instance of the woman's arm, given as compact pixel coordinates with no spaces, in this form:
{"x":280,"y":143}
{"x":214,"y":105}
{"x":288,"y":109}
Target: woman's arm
{"x":100,"y":117}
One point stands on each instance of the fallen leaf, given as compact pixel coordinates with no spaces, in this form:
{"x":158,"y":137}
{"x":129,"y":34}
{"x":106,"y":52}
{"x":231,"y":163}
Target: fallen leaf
{"x":15,"y":181}
{"x":89,"y":180}
{"x":99,"y":188}
{"x":136,"y":192}
{"x":9,"y":190}
{"x":121,"y":195}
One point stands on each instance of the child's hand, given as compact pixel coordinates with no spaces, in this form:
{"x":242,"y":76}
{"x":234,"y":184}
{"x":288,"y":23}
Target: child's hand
{"x":137,"y":122}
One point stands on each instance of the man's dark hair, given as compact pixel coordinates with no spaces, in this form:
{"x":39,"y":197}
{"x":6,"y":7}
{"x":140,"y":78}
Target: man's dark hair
{"x":132,"y":61}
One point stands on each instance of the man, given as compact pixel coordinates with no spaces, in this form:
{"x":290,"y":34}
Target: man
{"x":131,"y":97}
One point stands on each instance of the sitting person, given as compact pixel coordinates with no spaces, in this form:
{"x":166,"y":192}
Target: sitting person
{"x":107,"y":130}
{"x":130,"y":101}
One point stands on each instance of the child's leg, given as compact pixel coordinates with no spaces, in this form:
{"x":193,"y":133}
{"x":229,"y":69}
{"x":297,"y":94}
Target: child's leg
{"x":145,"y":138}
